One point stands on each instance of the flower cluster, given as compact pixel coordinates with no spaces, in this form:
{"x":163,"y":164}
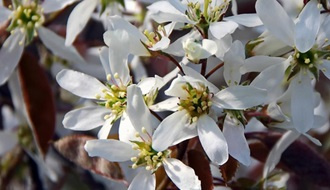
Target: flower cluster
{"x":214,"y":80}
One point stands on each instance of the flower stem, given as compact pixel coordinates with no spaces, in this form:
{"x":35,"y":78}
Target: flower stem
{"x":214,"y":69}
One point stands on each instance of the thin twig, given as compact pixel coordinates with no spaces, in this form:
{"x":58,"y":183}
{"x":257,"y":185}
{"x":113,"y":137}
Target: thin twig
{"x":156,"y":115}
{"x":172,"y":59}
{"x":204,"y":64}
{"x":214,"y":69}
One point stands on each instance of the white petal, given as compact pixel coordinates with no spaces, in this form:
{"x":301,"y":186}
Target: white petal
{"x":55,"y":5}
{"x":223,"y":45}
{"x":4,"y":14}
{"x":239,"y":97}
{"x":249,"y":20}
{"x":106,"y":128}
{"x":112,"y":150}
{"x":233,"y":130}
{"x":325,"y":68}
{"x":197,"y":76}
{"x":212,"y":140}
{"x":168,"y":11}
{"x":234,"y":59}
{"x":104,"y":57}
{"x":259,"y":63}
{"x":302,"y":106}
{"x":78,"y":19}
{"x":86,"y":118}
{"x":8,"y":141}
{"x":275,"y":154}
{"x":210,"y":47}
{"x":314,"y":140}
{"x":307,"y":26}
{"x":134,"y":44}
{"x":221,"y":29}
{"x":173,"y":130}
{"x":182,"y":176}
{"x":147,"y":85}
{"x":138,"y":112}
{"x":10,"y":54}
{"x":56,"y":44}
{"x":144,"y":180}
{"x":276,"y":20}
{"x":126,"y":130}
{"x":118,"y":53}
{"x":170,"y":104}
{"x":162,"y":44}
{"x":175,"y":88}
{"x":271,"y":77}
{"x":80,"y":84}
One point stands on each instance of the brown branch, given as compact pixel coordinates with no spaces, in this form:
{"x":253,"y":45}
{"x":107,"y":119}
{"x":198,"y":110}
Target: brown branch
{"x":214,"y":69}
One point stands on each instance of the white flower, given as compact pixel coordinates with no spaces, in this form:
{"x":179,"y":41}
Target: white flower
{"x":26,"y":19}
{"x":199,"y":102}
{"x":138,"y":148}
{"x":198,"y":14}
{"x":112,"y":96}
{"x":308,"y":58}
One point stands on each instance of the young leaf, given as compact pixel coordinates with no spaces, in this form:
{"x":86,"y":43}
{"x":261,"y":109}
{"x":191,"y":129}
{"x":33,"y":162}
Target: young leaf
{"x":228,"y":170}
{"x":72,"y":148}
{"x":39,"y":101}
{"x":200,"y":164}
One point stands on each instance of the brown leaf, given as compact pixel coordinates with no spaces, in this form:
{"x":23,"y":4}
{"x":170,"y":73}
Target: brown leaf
{"x":39,"y":101}
{"x":200,"y":164}
{"x":299,"y":158}
{"x":228,"y":170}
{"x":72,"y":148}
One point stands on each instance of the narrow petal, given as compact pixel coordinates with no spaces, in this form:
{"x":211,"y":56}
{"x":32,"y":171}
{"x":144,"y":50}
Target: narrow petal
{"x":239,"y":97}
{"x":233,"y":59}
{"x":118,"y":53}
{"x":112,"y":150}
{"x":259,"y":63}
{"x":233,"y":130}
{"x":78,"y":19}
{"x":162,"y":44}
{"x":137,"y":109}
{"x":104,"y":57}
{"x":271,"y":77}
{"x":275,"y":154}
{"x":4,"y":14}
{"x":10,"y":54}
{"x":126,"y":130}
{"x":106,"y":128}
{"x":302,"y":107}
{"x":144,"y":180}
{"x":210,"y":47}
{"x":169,"y":11}
{"x":307,"y":27}
{"x":55,"y":5}
{"x":221,"y":29}
{"x":170,"y":104}
{"x":197,"y":76}
{"x":249,"y":20}
{"x":8,"y":141}
{"x":325,"y":68}
{"x":173,"y":130}
{"x":134,"y":45}
{"x":56,"y":44}
{"x":182,"y":176}
{"x":86,"y":118}
{"x":80,"y":84}
{"x":212,"y":140}
{"x":276,"y":20}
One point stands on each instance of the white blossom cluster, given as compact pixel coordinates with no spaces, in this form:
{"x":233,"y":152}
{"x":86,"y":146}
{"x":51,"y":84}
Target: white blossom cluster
{"x":222,"y":78}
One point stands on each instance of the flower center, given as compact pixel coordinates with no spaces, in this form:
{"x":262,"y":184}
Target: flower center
{"x":115,"y":96}
{"x":198,"y":101}
{"x":307,"y":59}
{"x":209,"y":14}
{"x":27,"y":18}
{"x":148,"y":157}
